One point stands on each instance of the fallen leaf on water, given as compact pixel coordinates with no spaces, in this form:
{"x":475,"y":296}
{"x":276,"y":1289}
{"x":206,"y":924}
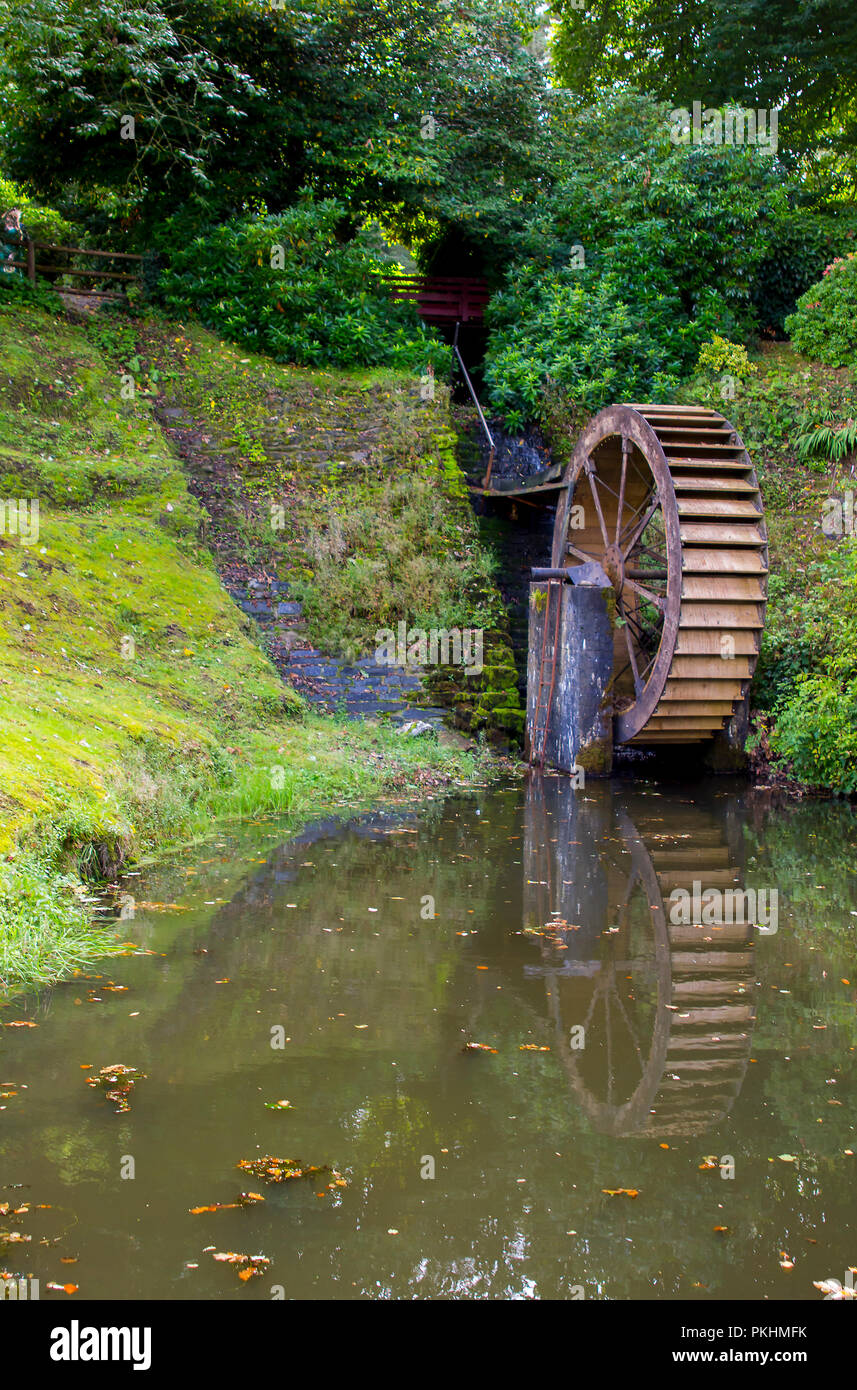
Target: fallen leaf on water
{"x":529,"y":1047}
{"x":833,"y":1290}
{"x":244,"y":1200}
{"x":117,"y":1081}
{"x":251,"y":1264}
{"x":271,"y":1169}
{"x":621,"y":1191}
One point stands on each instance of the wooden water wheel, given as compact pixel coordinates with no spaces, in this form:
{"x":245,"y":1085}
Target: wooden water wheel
{"x":665,"y":499}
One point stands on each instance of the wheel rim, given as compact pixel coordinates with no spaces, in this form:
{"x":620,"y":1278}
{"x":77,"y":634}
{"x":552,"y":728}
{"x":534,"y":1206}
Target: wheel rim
{"x":665,"y":499}
{"x":620,"y":476}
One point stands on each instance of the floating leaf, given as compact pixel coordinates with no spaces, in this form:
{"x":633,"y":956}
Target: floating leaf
{"x":621,"y":1191}
{"x":117,"y":1081}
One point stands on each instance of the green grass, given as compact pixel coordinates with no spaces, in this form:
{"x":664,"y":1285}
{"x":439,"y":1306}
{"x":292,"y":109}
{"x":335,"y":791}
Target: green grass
{"x":138,"y":707}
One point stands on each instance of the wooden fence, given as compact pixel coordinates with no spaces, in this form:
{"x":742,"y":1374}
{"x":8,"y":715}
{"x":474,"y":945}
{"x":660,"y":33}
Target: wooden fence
{"x":36,"y":262}
{"x":443,"y":298}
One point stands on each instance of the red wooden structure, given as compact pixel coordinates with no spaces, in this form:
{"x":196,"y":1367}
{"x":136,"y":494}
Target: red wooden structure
{"x":443,"y":298}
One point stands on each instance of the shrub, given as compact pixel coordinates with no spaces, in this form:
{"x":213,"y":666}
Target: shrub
{"x":574,"y":331}
{"x":816,"y":733}
{"x":801,"y":243}
{"x":43,"y":224}
{"x":824,"y":326}
{"x":286,"y":285}
{"x":722,"y":356}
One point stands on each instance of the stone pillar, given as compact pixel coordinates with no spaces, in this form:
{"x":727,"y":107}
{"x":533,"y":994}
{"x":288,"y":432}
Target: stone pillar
{"x":580,"y":729}
{"x":727,"y":750}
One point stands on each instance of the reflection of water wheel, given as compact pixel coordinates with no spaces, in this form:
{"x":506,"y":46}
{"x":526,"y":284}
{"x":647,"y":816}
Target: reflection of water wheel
{"x":666,"y":1008}
{"x":672,"y":512}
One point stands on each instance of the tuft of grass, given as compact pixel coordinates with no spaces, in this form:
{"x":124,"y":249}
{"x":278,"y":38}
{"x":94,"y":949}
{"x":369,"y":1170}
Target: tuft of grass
{"x":44,"y":931}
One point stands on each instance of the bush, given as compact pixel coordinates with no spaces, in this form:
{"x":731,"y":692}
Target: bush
{"x":654,"y":222}
{"x":816,"y":733}
{"x":42,"y":224}
{"x":824,"y":326}
{"x":800,"y":245}
{"x":809,"y":631}
{"x":722,"y":356}
{"x":573,"y":332}
{"x":285,"y":285}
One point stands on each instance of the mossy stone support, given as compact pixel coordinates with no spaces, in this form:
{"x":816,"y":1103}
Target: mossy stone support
{"x":727,"y":750}
{"x":580,"y":728}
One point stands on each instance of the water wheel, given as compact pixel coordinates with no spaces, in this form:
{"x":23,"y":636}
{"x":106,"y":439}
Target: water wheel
{"x":666,"y":500}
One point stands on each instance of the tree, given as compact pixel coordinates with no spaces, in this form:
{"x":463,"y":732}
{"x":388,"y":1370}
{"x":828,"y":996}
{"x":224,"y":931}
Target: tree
{"x":761,"y":53}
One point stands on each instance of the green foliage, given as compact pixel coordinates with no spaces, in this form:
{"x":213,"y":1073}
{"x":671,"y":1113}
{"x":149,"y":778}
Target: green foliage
{"x":652,"y":220}
{"x":722,"y":356}
{"x":76,"y":72}
{"x":816,"y":733}
{"x":831,"y":441}
{"x":44,"y":932}
{"x":286,"y":286}
{"x":427,"y":113}
{"x":800,"y":244}
{"x":756,"y":53}
{"x":41,"y":223}
{"x":580,"y":336}
{"x":807,"y":674}
{"x":824,"y":325}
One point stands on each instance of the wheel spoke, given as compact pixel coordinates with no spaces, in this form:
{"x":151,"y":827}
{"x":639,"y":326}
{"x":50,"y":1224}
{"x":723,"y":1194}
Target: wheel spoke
{"x":590,"y":473}
{"x":646,"y":593}
{"x":626,"y":449}
{"x":580,"y":554}
{"x":631,"y":653}
{"x":628,"y":545}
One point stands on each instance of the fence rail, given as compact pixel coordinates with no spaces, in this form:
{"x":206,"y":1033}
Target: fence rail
{"x":34,"y":264}
{"x":443,"y":298}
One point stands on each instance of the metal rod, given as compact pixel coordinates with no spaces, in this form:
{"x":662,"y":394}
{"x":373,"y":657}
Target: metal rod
{"x":482,"y":420}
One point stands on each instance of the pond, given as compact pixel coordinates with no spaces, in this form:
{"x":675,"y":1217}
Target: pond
{"x":483,"y":1089}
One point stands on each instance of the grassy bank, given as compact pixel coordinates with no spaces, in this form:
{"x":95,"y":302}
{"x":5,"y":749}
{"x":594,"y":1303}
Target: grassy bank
{"x":138,"y":705}
{"x":804,"y":693}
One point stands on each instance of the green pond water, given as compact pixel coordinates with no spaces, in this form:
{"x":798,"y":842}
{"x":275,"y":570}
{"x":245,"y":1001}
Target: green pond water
{"x":707,"y":1065}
